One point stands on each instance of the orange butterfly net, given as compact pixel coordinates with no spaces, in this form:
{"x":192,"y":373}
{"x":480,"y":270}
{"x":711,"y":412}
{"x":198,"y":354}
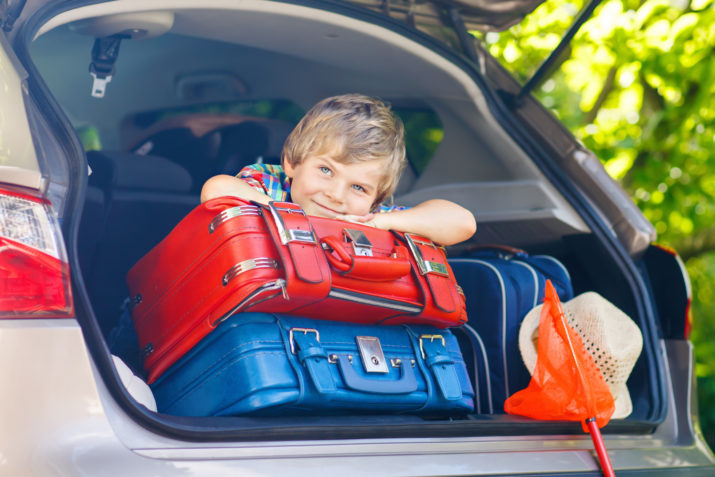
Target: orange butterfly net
{"x":566,"y":383}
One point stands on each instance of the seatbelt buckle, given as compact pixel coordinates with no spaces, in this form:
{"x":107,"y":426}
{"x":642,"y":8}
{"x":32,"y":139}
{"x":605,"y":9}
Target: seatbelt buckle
{"x":99,"y":84}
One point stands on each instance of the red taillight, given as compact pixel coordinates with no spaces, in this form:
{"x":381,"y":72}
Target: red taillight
{"x":688,"y":292}
{"x":687,"y":330}
{"x":34,"y":274}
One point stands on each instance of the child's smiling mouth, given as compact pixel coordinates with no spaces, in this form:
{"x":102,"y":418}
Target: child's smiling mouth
{"x":331,"y":213}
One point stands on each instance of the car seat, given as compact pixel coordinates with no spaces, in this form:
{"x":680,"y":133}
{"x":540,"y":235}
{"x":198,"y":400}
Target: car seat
{"x":139,"y":199}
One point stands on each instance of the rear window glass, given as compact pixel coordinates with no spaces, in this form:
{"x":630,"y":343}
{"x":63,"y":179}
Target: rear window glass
{"x":423,"y":133}
{"x":423,"y":129}
{"x":278,"y":109}
{"x":266,"y":108}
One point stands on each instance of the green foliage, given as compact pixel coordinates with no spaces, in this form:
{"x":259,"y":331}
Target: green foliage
{"x":423,"y":133}
{"x":637,"y":87}
{"x":89,"y":137}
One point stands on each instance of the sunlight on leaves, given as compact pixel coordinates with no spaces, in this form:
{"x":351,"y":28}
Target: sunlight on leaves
{"x":657,"y":35}
{"x":678,"y":221}
{"x":511,"y":53}
{"x":619,"y":165}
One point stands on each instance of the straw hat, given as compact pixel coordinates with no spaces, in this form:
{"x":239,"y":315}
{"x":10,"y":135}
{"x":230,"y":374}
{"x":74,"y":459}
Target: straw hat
{"x":609,"y":335}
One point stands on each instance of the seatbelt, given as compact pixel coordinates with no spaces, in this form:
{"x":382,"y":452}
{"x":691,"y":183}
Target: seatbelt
{"x":104,"y":54}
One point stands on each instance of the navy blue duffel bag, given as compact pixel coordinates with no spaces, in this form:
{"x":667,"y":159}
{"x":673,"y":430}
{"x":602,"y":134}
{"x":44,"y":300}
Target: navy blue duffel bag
{"x":269,"y":364}
{"x":501,"y":286}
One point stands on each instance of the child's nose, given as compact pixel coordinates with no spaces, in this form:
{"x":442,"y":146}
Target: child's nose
{"x":336,"y":191}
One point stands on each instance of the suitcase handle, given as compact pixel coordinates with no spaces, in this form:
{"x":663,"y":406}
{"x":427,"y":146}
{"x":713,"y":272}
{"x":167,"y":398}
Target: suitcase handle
{"x":406,"y":384}
{"x":502,"y":251}
{"x":376,"y":269}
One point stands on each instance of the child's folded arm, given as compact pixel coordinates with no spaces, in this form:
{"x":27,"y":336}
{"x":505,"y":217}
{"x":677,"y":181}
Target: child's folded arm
{"x":441,"y":221}
{"x":225,"y":185}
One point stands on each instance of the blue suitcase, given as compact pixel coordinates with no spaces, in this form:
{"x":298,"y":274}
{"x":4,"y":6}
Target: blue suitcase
{"x":501,"y":286}
{"x":474,"y":351}
{"x":268,"y":364}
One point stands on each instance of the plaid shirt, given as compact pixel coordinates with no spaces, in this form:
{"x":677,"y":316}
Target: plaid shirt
{"x":269,"y":179}
{"x":273,"y":181}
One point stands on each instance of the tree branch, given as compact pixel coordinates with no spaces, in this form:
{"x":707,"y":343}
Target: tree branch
{"x":651,"y":108}
{"x":696,"y":244}
{"x":602,"y":96}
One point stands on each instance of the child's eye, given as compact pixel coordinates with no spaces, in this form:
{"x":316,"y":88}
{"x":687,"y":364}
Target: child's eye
{"x":358,"y":188}
{"x":325,"y":170}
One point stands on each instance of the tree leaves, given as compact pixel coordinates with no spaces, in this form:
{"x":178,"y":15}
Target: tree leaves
{"x":638,"y":89}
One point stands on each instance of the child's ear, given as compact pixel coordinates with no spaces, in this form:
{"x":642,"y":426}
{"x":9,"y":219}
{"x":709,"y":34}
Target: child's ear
{"x":288,"y":168}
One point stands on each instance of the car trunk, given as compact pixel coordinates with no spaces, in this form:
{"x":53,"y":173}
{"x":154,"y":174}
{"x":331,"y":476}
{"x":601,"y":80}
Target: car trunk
{"x":179,"y":68}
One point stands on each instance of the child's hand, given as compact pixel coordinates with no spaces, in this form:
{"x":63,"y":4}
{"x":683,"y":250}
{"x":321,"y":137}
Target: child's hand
{"x":439,"y":220}
{"x":367,"y":219}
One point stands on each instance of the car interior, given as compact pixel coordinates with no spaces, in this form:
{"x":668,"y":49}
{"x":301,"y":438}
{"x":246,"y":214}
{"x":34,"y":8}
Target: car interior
{"x":199,"y":91}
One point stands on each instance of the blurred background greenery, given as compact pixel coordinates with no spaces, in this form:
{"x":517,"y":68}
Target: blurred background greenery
{"x":637,"y":87}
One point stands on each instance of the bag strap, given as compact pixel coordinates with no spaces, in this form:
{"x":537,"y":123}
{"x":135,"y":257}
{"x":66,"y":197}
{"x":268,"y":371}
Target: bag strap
{"x":292,"y":229}
{"x":432,"y":265}
{"x":436,"y":356}
{"x":305,"y":344}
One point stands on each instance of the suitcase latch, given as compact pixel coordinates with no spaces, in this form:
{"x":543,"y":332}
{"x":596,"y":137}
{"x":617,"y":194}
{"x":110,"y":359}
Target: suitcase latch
{"x":371,"y":353}
{"x":425,"y":266}
{"x":290,"y":235}
{"x":361,"y":244}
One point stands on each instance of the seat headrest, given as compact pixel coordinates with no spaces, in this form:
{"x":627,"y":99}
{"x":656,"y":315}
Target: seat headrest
{"x":123,"y":170}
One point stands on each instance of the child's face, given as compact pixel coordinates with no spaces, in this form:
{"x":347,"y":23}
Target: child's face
{"x":324,"y":187}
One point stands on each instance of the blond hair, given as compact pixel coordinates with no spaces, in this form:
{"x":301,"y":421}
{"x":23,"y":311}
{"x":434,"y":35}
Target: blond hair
{"x":351,"y":128}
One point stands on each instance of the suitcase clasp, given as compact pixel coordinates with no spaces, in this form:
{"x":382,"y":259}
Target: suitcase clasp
{"x":290,"y":235}
{"x":425,"y":266}
{"x":361,"y":244}
{"x":371,"y":353}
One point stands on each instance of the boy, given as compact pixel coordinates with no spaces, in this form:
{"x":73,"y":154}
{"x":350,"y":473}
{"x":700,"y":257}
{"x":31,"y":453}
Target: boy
{"x":342,"y":160}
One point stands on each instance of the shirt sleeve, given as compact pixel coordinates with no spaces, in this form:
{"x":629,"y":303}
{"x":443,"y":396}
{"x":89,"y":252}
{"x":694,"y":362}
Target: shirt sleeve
{"x":266,"y":178}
{"x":389,"y":208}
{"x":252,"y":177}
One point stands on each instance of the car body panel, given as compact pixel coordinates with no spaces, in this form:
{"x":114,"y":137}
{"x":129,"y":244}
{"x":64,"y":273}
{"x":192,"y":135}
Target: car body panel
{"x":18,"y":161}
{"x":70,"y":425}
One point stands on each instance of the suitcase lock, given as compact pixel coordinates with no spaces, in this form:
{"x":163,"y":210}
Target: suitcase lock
{"x":361,"y":244}
{"x":371,"y":353}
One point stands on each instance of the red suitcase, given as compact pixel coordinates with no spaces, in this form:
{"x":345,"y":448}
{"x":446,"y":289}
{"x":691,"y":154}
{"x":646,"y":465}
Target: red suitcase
{"x":228,"y":255}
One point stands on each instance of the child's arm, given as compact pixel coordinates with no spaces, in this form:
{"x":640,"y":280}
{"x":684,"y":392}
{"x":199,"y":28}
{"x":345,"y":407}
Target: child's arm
{"x":221,"y":185}
{"x":439,"y":220}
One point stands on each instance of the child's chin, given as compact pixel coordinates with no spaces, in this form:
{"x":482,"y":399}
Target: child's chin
{"x":318,"y":213}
